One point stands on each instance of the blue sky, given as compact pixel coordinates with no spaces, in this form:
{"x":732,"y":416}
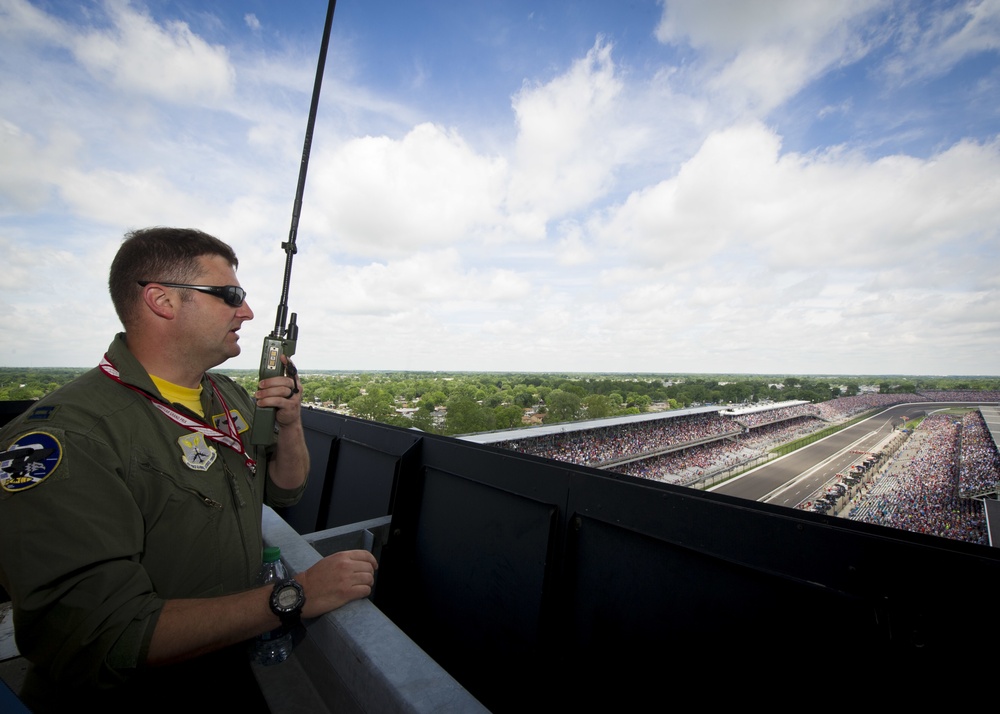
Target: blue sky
{"x":761,"y":186}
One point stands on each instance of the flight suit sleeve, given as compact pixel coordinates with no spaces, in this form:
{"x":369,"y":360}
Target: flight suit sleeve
{"x":278,"y":497}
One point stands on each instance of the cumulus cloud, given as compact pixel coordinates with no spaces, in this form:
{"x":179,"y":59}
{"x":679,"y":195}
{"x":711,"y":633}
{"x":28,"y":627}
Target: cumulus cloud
{"x":384,"y":197}
{"x":749,"y":245}
{"x":835,"y":208}
{"x":570,"y":137}
{"x":169,"y":62}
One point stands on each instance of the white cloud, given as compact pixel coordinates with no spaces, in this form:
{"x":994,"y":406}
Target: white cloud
{"x":572,"y":249}
{"x":25,"y":170}
{"x":758,"y":53}
{"x":571,"y":137}
{"x":749,"y":246}
{"x":380,"y":197}
{"x":50,"y":299}
{"x":22,"y":21}
{"x":954,"y":32}
{"x":130,"y":199}
{"x":836,"y":208}
{"x":168,"y":62}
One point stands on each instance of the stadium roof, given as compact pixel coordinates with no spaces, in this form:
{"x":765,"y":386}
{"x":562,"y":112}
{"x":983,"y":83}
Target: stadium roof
{"x":531,"y":432}
{"x":737,"y":411}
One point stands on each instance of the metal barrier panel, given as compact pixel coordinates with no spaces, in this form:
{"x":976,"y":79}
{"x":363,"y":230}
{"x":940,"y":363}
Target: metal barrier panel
{"x":583,"y":586}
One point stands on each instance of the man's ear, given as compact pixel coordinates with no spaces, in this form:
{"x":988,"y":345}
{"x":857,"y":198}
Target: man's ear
{"x":159,"y":301}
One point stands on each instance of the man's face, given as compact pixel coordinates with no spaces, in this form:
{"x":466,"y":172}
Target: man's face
{"x":209,"y":325}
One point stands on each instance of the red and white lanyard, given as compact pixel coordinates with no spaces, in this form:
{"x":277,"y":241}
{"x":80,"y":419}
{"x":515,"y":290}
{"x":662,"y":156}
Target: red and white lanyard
{"x":231,"y":440}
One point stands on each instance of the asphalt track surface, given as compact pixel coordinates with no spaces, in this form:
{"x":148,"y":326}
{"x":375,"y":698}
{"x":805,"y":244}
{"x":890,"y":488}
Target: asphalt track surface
{"x":794,"y":478}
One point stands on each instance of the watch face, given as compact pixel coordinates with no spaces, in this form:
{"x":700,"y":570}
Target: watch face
{"x":287,"y":598}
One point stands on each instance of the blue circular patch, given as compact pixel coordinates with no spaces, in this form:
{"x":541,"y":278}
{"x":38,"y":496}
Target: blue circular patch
{"x":29,"y":461}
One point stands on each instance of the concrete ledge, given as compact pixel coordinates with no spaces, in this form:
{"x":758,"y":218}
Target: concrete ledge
{"x":353,"y":659}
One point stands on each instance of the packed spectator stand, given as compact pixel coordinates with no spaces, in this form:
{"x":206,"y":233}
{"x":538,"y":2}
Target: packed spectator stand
{"x":980,"y":461}
{"x":682,"y":447}
{"x":928,"y":485}
{"x":931,"y":486}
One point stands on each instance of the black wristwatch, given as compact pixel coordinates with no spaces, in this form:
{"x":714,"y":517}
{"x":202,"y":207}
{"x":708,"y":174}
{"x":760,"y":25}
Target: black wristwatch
{"x":287,"y":600}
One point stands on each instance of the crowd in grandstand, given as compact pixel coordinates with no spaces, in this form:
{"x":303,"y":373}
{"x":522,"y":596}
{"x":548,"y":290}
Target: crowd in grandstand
{"x":675,"y":445}
{"x":843,"y":407}
{"x":980,"y":464}
{"x":688,"y":465}
{"x":594,"y":447}
{"x":683,"y":467}
{"x":734,"y":439}
{"x":850,"y":406}
{"x":919,"y":491}
{"x":959,"y":395}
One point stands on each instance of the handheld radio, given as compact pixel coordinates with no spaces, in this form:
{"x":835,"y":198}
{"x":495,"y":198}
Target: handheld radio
{"x":282,"y":339}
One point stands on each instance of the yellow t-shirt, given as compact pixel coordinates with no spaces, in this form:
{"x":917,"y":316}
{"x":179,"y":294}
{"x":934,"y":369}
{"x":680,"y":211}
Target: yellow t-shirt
{"x":175,"y":393}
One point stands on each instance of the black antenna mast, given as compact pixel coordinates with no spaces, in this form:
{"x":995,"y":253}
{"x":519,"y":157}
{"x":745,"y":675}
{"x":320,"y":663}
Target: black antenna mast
{"x":282,"y":339}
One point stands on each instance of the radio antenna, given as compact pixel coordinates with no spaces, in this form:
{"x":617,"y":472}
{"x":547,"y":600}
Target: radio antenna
{"x":289,"y":246}
{"x":283,"y":339}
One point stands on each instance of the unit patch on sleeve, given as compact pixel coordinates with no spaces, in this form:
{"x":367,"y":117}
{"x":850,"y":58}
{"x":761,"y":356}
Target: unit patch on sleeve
{"x":29,"y":461}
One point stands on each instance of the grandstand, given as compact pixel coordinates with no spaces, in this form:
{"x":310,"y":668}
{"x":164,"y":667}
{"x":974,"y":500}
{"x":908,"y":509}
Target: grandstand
{"x":939,"y":482}
{"x":681,"y":446}
{"x":696,"y":447}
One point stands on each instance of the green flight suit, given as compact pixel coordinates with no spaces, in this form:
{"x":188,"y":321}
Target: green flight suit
{"x":126,"y":510}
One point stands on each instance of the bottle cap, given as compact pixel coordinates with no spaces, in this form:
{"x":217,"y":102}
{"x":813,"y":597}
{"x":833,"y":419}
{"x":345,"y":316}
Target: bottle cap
{"x":272,"y":554}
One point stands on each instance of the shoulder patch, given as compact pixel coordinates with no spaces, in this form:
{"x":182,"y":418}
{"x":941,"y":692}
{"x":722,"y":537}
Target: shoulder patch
{"x":29,"y":461}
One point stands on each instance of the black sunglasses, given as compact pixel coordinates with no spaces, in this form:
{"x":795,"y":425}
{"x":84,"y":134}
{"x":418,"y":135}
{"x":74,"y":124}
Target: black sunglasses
{"x":232,"y":295}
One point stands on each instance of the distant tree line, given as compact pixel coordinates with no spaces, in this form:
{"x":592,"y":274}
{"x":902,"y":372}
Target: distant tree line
{"x":475,"y":402}
{"x":22,"y":383}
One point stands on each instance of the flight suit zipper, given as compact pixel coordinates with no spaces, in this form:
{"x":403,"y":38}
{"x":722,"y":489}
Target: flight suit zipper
{"x":206,"y":500}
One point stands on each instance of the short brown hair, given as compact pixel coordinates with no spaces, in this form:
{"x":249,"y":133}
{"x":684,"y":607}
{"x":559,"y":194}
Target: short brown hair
{"x":161,"y":254}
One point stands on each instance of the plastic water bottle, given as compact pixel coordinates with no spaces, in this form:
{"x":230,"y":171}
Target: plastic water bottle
{"x":274,"y":646}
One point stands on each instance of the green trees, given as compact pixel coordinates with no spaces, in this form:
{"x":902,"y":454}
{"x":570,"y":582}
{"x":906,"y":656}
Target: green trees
{"x":508,"y":416}
{"x":375,"y":404}
{"x":484,"y":401}
{"x":598,"y":406}
{"x":20,"y":384}
{"x":423,"y":419}
{"x":563,"y":405}
{"x":466,"y":416}
{"x":432,"y":398}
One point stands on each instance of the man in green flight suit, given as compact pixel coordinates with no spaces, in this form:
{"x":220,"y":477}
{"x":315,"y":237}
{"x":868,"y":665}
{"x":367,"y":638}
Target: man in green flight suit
{"x":130,"y":499}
